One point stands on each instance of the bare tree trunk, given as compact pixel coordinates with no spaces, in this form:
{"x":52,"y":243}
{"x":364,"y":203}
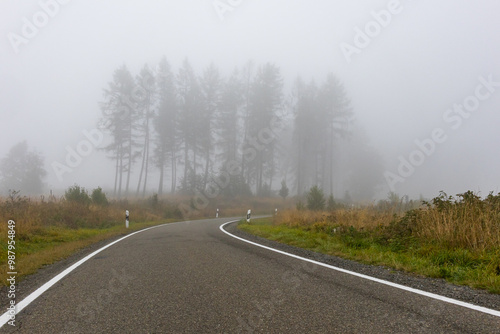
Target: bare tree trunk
{"x":174,"y":172}
{"x":162,"y":167}
{"x":185,"y":165}
{"x":272,"y":171}
{"x":207,"y":167}
{"x":331,"y":159}
{"x":116,"y":173}
{"x":121,"y":172}
{"x":147,"y":159}
{"x":142,"y":169}
{"x":299,"y":168}
{"x":129,"y":168}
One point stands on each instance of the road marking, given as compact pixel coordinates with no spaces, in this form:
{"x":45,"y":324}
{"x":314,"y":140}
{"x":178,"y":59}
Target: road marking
{"x":394,"y":285}
{"x":38,"y":292}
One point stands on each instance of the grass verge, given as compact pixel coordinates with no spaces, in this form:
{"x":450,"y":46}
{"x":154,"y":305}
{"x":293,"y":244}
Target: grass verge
{"x":474,"y":268}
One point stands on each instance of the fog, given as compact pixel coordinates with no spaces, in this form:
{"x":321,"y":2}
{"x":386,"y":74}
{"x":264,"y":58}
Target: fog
{"x":406,"y":77}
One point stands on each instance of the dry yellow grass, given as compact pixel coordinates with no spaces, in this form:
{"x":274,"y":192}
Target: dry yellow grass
{"x":465,"y":226}
{"x":467,"y":221}
{"x":362,"y":218}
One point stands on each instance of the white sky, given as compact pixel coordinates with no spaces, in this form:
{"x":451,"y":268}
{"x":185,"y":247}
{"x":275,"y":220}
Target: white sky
{"x":426,"y":59}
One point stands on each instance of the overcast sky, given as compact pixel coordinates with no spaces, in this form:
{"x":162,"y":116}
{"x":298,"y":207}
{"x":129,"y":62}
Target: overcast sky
{"x":422,"y":59}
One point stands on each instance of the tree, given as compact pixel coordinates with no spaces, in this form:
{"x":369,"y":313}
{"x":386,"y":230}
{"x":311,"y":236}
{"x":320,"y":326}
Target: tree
{"x":227,"y":119}
{"x":210,"y":85}
{"x":265,"y":100}
{"x":305,"y":132}
{"x":22,"y":170}
{"x":322,"y":116}
{"x":362,"y":182}
{"x":246,"y":90}
{"x":347,"y":198}
{"x":77,"y":194}
{"x":99,"y":197}
{"x":189,"y":105}
{"x":315,"y":199}
{"x":284,"y":190}
{"x":166,"y":124}
{"x":338,"y":113}
{"x":331,"y":205}
{"x":119,"y":111}
{"x":145,"y":87}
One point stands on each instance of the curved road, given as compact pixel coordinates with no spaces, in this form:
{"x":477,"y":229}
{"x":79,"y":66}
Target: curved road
{"x":192,"y":278}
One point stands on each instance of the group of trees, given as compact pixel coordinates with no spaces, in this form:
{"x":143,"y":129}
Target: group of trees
{"x":79,"y":195}
{"x":240,"y":133}
{"x":192,"y":124}
{"x":193,"y":128}
{"x":322,"y":115}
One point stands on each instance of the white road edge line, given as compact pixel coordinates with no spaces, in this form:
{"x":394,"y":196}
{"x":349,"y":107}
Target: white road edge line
{"x":38,"y":292}
{"x":395,"y":285}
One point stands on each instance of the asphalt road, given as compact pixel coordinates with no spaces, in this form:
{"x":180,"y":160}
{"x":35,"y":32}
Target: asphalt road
{"x":192,"y":278}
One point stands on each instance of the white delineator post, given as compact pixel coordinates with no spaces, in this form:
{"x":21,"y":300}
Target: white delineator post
{"x":126,"y":218}
{"x":248,"y":215}
{"x":217,"y":214}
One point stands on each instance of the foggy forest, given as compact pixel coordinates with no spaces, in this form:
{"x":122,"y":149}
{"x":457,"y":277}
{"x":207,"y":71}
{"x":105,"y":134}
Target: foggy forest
{"x":168,"y":108}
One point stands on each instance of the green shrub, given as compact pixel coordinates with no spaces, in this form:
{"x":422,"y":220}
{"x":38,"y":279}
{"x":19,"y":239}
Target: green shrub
{"x":315,"y":199}
{"x":331,"y":205}
{"x":99,"y":197}
{"x":77,"y":194}
{"x":153,"y":201}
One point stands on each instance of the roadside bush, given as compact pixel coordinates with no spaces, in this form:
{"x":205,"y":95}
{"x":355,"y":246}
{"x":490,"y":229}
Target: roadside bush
{"x":315,"y":199}
{"x":172,"y":211}
{"x":153,"y":201}
{"x":99,"y":197}
{"x":77,"y":194}
{"x":300,"y":206}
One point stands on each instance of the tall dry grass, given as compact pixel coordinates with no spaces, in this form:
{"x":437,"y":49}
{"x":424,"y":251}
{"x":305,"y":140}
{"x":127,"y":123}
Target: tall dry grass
{"x":465,"y":221}
{"x":365,"y":218}
{"x":32,"y":216}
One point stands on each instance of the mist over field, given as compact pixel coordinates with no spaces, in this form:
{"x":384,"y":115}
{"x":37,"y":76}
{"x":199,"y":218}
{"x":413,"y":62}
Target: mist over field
{"x":359,"y":97}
